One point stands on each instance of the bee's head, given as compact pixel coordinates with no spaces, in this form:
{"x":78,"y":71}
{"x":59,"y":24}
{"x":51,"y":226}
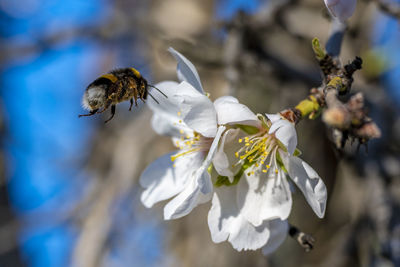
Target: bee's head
{"x":94,"y":97}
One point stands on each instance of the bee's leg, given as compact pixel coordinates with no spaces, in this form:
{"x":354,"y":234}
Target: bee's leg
{"x":112,"y":113}
{"x":105,"y":106}
{"x":91,"y":113}
{"x":131,"y":100}
{"x":135,"y":95}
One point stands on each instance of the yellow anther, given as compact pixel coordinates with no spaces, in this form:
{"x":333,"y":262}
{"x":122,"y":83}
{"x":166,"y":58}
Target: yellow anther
{"x":268,"y":166}
{"x":179,"y":113}
{"x":174,"y":157}
{"x":181,"y":131}
{"x":240,"y":140}
{"x":264,"y":171}
{"x":247,"y":144}
{"x":262,"y":162}
{"x":237,"y":154}
{"x":276,"y":171}
{"x":257,"y":164}
{"x":174,"y":165}
{"x":187,"y":136}
{"x":249,"y":173}
{"x":180,"y":121}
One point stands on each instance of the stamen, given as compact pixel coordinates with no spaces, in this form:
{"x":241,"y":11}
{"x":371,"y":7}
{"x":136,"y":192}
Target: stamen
{"x":174,"y":157}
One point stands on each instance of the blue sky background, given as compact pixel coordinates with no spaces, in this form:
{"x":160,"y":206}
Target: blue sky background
{"x":41,"y":96}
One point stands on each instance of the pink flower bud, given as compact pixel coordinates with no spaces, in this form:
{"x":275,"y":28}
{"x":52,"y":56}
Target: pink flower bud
{"x":342,"y":9}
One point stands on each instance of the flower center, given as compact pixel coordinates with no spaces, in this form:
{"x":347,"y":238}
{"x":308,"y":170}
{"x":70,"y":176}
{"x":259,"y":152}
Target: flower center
{"x":191,"y":143}
{"x":257,"y":150}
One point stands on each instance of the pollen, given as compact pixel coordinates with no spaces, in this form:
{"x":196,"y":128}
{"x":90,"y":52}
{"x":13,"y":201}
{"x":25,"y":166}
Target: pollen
{"x":179,"y":113}
{"x":180,"y":121}
{"x":181,"y":131}
{"x":276,"y":171}
{"x":258,"y":149}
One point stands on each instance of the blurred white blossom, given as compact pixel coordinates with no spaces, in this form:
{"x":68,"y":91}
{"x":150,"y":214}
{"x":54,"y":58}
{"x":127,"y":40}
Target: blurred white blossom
{"x":342,"y":9}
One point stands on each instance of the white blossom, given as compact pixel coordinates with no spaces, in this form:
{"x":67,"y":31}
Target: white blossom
{"x":342,"y":9}
{"x":190,"y":118}
{"x":253,"y":200}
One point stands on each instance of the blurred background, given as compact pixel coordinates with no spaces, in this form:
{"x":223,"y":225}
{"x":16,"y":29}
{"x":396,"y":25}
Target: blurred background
{"x":69,"y":194}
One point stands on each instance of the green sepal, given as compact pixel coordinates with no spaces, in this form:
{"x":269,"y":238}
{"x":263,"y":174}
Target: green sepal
{"x":248,"y":129}
{"x":280,"y":162}
{"x":224,"y":180}
{"x":297,"y":152}
{"x":209,"y":169}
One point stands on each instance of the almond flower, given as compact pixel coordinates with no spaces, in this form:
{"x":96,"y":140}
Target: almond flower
{"x":195,"y":126}
{"x":252,"y":198}
{"x":342,"y":9}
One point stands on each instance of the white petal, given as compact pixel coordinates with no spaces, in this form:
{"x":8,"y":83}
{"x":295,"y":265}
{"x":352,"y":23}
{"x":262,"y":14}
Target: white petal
{"x":227,"y":98}
{"x":198,"y":190}
{"x":169,"y":104}
{"x":278,"y":232}
{"x":229,"y":111}
{"x":264,"y":196}
{"x":161,"y":181}
{"x":309,"y":183}
{"x":273,"y":117}
{"x":286,"y":133}
{"x":224,"y":159}
{"x":198,"y":111}
{"x":226,"y":222}
{"x":342,"y":9}
{"x":206,"y":184}
{"x":186,"y":70}
{"x":164,"y":124}
{"x":184,"y":202}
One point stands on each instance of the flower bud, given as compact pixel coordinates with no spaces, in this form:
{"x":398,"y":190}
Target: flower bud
{"x":342,"y":9}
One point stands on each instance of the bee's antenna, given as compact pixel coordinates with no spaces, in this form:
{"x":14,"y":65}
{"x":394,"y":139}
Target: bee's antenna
{"x":158,"y":90}
{"x":154,"y":98}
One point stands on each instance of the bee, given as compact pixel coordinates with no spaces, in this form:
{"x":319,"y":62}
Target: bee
{"x":115,"y":87}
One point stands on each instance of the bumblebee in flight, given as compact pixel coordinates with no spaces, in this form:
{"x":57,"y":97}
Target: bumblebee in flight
{"x":115,"y":87}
